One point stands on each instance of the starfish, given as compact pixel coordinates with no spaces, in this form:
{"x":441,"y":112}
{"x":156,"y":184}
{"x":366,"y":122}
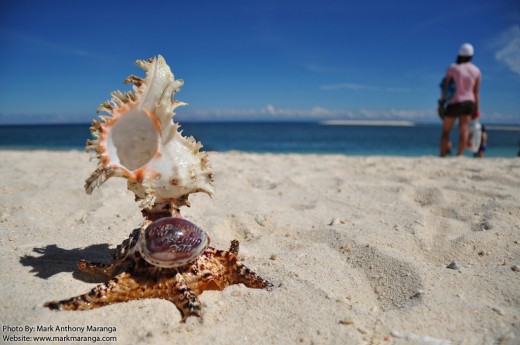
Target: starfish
{"x":132,"y":277}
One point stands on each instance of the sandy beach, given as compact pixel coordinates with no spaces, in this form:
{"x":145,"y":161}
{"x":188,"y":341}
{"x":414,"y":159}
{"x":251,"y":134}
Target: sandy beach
{"x":362,"y":250}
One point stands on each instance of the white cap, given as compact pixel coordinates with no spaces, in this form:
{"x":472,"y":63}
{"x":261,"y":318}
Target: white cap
{"x":466,"y":50}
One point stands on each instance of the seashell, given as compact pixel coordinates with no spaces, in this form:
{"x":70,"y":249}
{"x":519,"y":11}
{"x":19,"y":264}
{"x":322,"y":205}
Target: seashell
{"x":139,"y":141}
{"x":172,"y":242}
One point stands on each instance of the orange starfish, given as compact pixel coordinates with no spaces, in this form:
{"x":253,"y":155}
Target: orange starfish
{"x":134,"y":277}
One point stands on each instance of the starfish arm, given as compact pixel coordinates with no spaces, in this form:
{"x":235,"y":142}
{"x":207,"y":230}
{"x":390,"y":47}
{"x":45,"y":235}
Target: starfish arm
{"x":185,"y":299}
{"x":242,"y":274}
{"x":121,"y":288}
{"x":235,"y":245}
{"x":106,"y":270}
{"x":216,"y":269}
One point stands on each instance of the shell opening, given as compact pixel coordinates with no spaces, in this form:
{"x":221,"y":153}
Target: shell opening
{"x":133,"y":140}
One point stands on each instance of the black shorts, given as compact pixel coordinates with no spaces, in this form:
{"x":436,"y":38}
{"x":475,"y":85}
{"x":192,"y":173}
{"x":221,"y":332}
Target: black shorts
{"x":459,"y":109}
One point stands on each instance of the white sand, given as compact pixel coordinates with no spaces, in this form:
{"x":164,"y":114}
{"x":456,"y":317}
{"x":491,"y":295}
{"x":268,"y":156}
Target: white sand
{"x":357,"y":247}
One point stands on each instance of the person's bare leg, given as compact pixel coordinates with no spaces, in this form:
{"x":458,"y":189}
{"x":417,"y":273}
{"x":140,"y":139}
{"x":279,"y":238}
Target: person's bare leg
{"x":447,"y":125}
{"x":463,"y":133}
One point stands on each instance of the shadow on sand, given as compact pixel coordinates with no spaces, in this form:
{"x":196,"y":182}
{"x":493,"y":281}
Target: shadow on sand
{"x":54,"y":260}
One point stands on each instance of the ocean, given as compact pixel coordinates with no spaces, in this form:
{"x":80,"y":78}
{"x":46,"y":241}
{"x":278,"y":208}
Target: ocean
{"x":280,"y":137}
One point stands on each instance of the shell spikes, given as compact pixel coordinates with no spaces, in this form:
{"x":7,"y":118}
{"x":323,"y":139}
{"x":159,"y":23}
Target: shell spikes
{"x":137,"y":140}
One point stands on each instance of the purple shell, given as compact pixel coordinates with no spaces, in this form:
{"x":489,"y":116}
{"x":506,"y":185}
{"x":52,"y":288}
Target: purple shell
{"x":172,"y":242}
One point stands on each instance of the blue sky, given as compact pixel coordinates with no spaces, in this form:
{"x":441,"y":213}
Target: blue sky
{"x":249,"y":60}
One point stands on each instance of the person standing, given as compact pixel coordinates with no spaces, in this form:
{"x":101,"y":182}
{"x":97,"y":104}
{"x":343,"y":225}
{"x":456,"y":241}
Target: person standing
{"x":464,"y":103}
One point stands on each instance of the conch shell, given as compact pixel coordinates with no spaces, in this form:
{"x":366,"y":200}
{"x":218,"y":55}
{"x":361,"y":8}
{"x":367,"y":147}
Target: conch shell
{"x":139,"y":141}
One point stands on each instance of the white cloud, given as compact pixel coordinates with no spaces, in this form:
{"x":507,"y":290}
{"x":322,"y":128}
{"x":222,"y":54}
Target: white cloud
{"x":271,"y":112}
{"x":509,"y":52}
{"x":267,"y":112}
{"x":315,"y":112}
{"x":271,"y":109}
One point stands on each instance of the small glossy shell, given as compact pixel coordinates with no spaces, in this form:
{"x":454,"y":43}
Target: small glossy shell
{"x":172,"y":242}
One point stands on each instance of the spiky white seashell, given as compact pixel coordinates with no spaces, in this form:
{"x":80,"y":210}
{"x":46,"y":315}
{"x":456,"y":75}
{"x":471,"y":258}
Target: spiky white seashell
{"x":139,"y":141}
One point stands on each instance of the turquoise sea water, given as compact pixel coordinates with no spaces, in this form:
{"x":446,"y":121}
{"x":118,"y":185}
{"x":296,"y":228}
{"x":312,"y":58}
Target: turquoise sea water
{"x":277,"y":137}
